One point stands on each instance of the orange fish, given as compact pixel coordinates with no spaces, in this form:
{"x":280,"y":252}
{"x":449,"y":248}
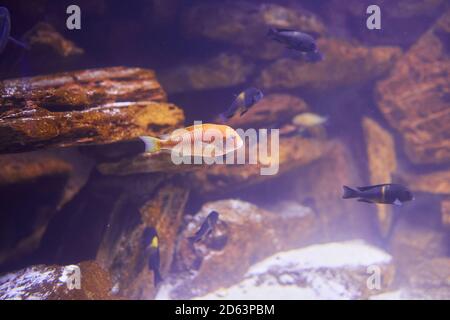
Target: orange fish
{"x":200,"y":140}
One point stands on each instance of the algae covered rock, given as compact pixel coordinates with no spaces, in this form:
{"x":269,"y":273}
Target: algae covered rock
{"x":221,"y":71}
{"x":337,"y":270}
{"x":294,"y":152}
{"x":321,"y":184}
{"x":345,"y":64}
{"x":124,"y":206}
{"x":87,"y":107}
{"x":83,"y":281}
{"x":435,"y":182}
{"x":272,"y":111}
{"x":244,"y":235}
{"x":245,"y":23}
{"x":415,"y":97}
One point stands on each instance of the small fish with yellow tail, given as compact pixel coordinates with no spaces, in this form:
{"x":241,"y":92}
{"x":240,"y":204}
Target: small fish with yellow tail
{"x":199,"y":140}
{"x":206,"y":228}
{"x":151,"y":244}
{"x":389,"y":193}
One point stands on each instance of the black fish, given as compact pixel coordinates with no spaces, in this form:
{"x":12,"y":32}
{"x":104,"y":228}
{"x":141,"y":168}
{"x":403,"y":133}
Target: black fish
{"x":298,"y":41}
{"x":206,"y":228}
{"x":5,"y":30}
{"x":381,"y":193}
{"x":151,"y":244}
{"x":244,"y":101}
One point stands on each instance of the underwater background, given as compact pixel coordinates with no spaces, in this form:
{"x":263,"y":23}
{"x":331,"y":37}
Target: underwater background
{"x":77,"y":188}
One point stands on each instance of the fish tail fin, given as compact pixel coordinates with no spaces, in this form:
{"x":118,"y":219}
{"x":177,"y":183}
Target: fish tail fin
{"x":349,"y":193}
{"x":157,"y":277}
{"x":151,"y":144}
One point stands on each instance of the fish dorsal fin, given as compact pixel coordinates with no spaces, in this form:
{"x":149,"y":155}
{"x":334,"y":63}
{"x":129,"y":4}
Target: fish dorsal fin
{"x":371,"y":187}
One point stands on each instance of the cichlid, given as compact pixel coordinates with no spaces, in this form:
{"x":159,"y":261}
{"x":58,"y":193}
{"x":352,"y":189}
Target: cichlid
{"x":206,"y":228}
{"x":299,"y":41}
{"x":151,"y":244}
{"x":308,"y":119}
{"x":198,"y":140}
{"x":389,"y":193}
{"x":243,"y":102}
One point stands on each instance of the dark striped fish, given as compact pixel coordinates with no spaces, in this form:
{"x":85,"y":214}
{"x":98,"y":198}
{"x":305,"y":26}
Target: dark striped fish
{"x":389,"y":193}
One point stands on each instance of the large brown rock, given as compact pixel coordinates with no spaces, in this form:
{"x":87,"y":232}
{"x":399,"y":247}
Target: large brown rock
{"x":244,"y":235}
{"x":437,"y":182}
{"x":382,"y":160}
{"x":124,"y":207}
{"x":320,"y":183}
{"x":415,"y":98}
{"x":245,"y":23}
{"x":345,"y":65}
{"x":222,"y":71}
{"x":43,"y":282}
{"x":294,"y":152}
{"x":121,"y":250}
{"x":272,"y":111}
{"x":85,"y":107}
{"x":336,"y":270}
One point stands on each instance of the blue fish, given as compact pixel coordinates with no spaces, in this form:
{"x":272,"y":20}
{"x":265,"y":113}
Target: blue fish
{"x":242,"y":103}
{"x":299,"y":41}
{"x":206,"y":228}
{"x":5,"y":30}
